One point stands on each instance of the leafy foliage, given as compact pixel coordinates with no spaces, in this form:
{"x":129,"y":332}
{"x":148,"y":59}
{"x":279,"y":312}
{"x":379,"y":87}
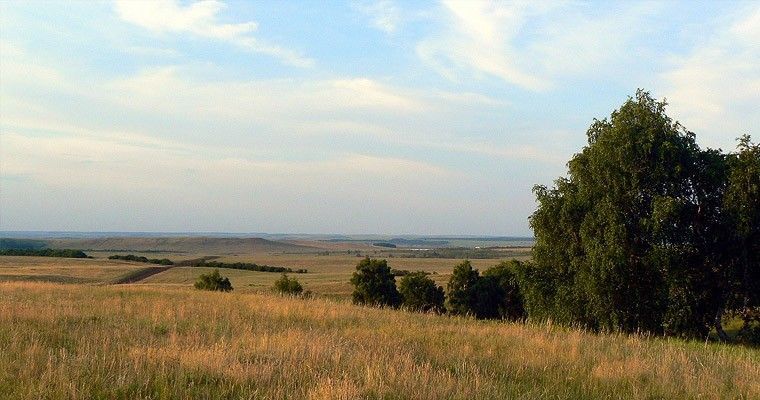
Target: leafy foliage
{"x":461,"y":289}
{"x":374,"y":284}
{"x":494,"y":295}
{"x":507,"y":303}
{"x":288,"y":286}
{"x":742,"y":202}
{"x":420,"y":293}
{"x":213,"y":281}
{"x":636,"y":237}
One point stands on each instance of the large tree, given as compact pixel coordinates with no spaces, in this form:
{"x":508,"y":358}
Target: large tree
{"x":620,"y":241}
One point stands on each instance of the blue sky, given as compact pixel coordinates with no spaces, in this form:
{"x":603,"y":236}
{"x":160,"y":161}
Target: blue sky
{"x":340,"y":117}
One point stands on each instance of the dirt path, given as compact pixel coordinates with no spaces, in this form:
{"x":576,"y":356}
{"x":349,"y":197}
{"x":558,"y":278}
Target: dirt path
{"x":140,"y":274}
{"x":137,"y":276}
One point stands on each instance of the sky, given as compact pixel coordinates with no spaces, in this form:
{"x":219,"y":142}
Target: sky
{"x":388,"y":117}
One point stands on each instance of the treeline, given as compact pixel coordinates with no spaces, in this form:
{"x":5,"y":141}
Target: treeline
{"x":493,"y":295}
{"x":132,"y":257}
{"x":457,"y":253}
{"x":64,"y":253}
{"x":248,"y":267}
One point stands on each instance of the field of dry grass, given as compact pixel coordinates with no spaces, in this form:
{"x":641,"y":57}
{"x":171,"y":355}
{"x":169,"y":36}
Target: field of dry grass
{"x":137,"y":341}
{"x":65,"y":270}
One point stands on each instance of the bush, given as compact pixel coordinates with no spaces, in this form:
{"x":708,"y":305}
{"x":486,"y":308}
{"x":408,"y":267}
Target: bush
{"x":374,"y":284}
{"x":213,"y":281}
{"x":495,"y":294}
{"x":289,"y":286}
{"x":420,"y":293}
{"x":509,"y":301}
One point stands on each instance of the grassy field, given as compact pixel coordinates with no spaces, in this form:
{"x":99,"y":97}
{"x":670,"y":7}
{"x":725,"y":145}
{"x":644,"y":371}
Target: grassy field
{"x":328,"y":275}
{"x":137,"y":341}
{"x":65,"y":270}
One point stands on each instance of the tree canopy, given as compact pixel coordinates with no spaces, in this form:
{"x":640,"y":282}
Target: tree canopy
{"x":374,"y":284}
{"x":636,"y":237}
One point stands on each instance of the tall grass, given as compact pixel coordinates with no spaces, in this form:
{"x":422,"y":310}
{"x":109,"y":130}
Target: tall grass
{"x":73,"y":341}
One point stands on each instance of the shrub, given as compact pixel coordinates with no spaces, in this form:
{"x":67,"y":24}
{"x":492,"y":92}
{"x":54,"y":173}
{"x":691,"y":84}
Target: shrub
{"x":420,"y":293}
{"x":374,"y":284}
{"x":289,"y":286}
{"x":213,"y":281}
{"x":495,"y":294}
{"x":509,"y":304}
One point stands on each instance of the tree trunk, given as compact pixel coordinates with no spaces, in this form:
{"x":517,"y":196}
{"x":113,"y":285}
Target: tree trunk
{"x":719,"y":327}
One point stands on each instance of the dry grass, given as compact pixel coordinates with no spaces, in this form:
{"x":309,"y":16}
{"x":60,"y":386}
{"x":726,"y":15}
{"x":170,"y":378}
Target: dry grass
{"x":137,"y":341}
{"x":65,"y":270}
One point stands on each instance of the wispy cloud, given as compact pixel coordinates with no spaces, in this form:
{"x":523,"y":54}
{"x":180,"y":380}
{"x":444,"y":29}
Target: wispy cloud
{"x":715,"y":90}
{"x":200,"y":19}
{"x":479,"y":38}
{"x":530,"y":44}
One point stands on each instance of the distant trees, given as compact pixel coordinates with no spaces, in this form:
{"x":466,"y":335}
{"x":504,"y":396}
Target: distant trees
{"x":248,"y":267}
{"x":288,"y":286}
{"x":419,"y":293}
{"x":213,"y":281}
{"x":374,"y":284}
{"x":63,"y":253}
{"x":132,"y":257}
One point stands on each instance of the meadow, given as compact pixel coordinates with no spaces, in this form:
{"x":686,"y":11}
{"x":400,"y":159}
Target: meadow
{"x":69,"y":330}
{"x":139,"y":341}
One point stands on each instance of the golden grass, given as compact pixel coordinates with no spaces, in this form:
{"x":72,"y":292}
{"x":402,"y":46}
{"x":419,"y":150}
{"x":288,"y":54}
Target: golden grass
{"x":137,"y":341}
{"x":66,"y":270}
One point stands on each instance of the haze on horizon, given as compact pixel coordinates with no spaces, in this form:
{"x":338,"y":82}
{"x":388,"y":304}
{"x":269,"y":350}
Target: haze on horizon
{"x":352,"y":117}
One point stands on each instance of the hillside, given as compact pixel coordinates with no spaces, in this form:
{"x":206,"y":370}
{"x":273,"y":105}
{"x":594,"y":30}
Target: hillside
{"x":139,"y":342}
{"x":205,"y":245}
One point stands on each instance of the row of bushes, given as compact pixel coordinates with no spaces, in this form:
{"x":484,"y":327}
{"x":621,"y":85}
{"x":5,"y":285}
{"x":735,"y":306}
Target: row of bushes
{"x":249,"y":267}
{"x":494,"y":294}
{"x":64,"y":253}
{"x":132,"y":257}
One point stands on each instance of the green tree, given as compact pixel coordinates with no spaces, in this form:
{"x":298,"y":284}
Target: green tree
{"x":461,"y":290}
{"x":508,"y":301}
{"x":213,"y":281}
{"x":742,"y":201}
{"x":420,"y":293}
{"x":374,"y":284}
{"x":618,"y":242}
{"x":287,"y":285}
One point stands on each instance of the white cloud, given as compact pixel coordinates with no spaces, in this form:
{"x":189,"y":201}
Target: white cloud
{"x":532,"y":44}
{"x":200,"y":19}
{"x":715,"y":90}
{"x":480,"y":39}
